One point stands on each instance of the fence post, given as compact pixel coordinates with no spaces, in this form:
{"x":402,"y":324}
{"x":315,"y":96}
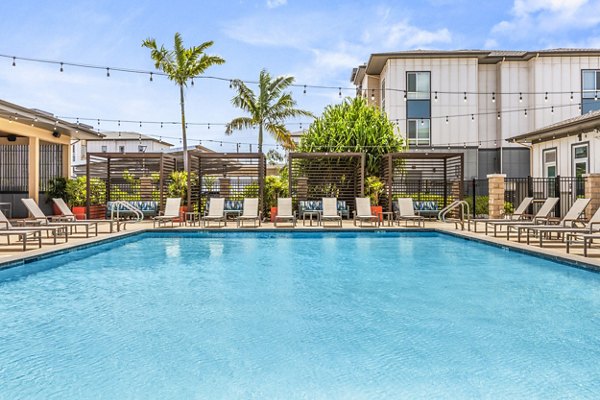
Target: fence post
{"x":474,"y":195}
{"x":496,"y":195}
{"x":592,"y":192}
{"x":557,"y":194}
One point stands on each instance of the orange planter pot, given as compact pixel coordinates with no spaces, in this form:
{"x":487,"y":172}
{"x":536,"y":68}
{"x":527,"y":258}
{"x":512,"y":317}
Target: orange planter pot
{"x":375,"y":210}
{"x":273,"y":213}
{"x":182,"y":211}
{"x":96,"y":212}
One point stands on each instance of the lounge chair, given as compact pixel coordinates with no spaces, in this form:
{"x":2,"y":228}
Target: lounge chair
{"x":171,"y":213}
{"x":587,"y":239}
{"x":519,"y":214}
{"x":24,"y":234}
{"x":363,"y":212}
{"x":40,"y":219}
{"x":284,"y":211}
{"x":56,"y":231}
{"x":67,"y":215}
{"x":406,"y":213}
{"x":216,"y":212}
{"x":568,"y":221}
{"x":330,"y":211}
{"x":542,"y":215}
{"x":250,"y":212}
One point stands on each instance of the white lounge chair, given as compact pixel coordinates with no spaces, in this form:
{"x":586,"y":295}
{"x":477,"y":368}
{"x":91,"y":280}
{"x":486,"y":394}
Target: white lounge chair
{"x":568,"y":221}
{"x":67,"y":215}
{"x":330,"y":212}
{"x":363,"y":212}
{"x":519,"y":214}
{"x":39,"y":218}
{"x":171,"y":213}
{"x":216,"y":212}
{"x":406,"y":212}
{"x":542,"y":216}
{"x":250,"y":212}
{"x":56,"y":231}
{"x":284,"y":211}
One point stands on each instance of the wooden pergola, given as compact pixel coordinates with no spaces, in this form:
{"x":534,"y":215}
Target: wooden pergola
{"x":423,"y":176}
{"x":313,"y":176}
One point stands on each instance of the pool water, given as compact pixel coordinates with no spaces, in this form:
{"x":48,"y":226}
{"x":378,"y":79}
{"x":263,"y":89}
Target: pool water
{"x":298,"y":315}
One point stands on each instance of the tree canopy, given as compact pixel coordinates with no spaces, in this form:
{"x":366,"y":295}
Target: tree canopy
{"x":353,"y":126}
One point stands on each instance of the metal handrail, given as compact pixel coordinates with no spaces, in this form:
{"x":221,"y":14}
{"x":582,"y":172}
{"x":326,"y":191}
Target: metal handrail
{"x":455,"y":204}
{"x":116,"y":206}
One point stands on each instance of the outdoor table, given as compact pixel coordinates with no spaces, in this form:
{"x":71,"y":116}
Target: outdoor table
{"x":310,"y":215}
{"x":389,"y":218}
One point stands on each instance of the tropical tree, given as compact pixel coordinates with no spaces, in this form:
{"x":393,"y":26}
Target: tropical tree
{"x":268,"y":109}
{"x":181,"y":65}
{"x":353,"y":126}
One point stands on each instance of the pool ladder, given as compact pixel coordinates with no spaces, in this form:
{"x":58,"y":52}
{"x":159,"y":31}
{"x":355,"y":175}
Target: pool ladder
{"x":116,"y":208}
{"x":463,"y":211}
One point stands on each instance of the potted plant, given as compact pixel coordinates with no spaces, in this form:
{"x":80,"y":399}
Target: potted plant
{"x":76,"y":192}
{"x":275,"y":187}
{"x":373,"y":189}
{"x":57,"y":189}
{"x":178,"y":187}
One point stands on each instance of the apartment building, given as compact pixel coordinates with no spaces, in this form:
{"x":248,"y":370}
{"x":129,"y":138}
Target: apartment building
{"x":473,"y":101}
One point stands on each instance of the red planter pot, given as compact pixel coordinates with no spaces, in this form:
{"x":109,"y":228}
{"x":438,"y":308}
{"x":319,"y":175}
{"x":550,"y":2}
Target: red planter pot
{"x":182,"y":211}
{"x":273,"y":213}
{"x":375,"y":210}
{"x":96,"y":212}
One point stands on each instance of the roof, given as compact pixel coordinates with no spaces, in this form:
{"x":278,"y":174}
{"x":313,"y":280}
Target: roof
{"x":46,"y":120}
{"x":568,"y":127}
{"x":378,"y":60}
{"x":121,"y":135}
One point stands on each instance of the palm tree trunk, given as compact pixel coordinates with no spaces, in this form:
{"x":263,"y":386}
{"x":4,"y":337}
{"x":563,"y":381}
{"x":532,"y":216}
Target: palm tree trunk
{"x":183,"y":133}
{"x":260,"y":138}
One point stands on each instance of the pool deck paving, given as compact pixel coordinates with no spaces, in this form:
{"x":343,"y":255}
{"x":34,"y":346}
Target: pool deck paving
{"x":9,"y":255}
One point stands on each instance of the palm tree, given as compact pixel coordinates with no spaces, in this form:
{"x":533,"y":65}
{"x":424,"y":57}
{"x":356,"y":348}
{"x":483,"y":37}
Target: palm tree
{"x":268,"y":110}
{"x":181,"y":65}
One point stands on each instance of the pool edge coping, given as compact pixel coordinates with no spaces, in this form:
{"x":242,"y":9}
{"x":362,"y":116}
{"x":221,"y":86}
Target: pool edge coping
{"x":570,"y":262}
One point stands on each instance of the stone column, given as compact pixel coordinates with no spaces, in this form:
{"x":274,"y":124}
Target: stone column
{"x":496,"y":195}
{"x":592,"y":192}
{"x":224,"y":187}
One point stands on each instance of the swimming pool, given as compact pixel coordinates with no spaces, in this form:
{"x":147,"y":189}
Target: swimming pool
{"x":298,"y":315}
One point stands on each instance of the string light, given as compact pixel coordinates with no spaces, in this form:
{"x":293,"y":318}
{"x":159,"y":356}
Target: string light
{"x":372,"y":94}
{"x":14,"y":63}
{"x":520,"y":97}
{"x":546,"y":97}
{"x":230,"y":84}
{"x":304,"y":90}
{"x":552,"y":110}
{"x":493,"y":97}
{"x":446,"y":119}
{"x":192,"y":81}
{"x":151,"y":77}
{"x":209,"y":126}
{"x":436,"y":97}
{"x":525,"y":112}
{"x":340,"y":92}
{"x":465,"y":97}
{"x":61,"y":67}
{"x":571,"y":96}
{"x":108,"y":72}
{"x":472,"y":117}
{"x":498,"y":115}
{"x":405,"y":95}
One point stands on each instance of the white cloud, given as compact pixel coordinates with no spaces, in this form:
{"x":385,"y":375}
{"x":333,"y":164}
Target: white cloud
{"x":547,"y":21}
{"x":276,"y":3}
{"x":405,"y":35}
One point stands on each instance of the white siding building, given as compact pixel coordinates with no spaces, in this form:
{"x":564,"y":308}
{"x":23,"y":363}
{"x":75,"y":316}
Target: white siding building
{"x":116,"y":142}
{"x":472,"y":101}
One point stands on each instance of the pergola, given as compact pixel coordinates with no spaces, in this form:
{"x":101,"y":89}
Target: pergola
{"x":423,"y":176}
{"x":313,"y":176}
{"x":130,"y":176}
{"x":232,"y":176}
{"x":35,"y":147}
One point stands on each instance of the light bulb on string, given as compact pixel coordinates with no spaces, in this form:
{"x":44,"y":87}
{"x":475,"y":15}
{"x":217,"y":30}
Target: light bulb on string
{"x":405,"y":95}
{"x":304,"y":90}
{"x":498,"y":115}
{"x":493,"y":97}
{"x":61,"y":67}
{"x":436,"y":97}
{"x":151,"y":77}
{"x":119,"y":123}
{"x":465,"y":97}
{"x":192,"y":81}
{"x":526,"y":112}
{"x":372,"y":94}
{"x":472,"y":117}
{"x":14,"y":63}
{"x":546,"y":97}
{"x":520,"y":97}
{"x":140,"y":124}
{"x":340,"y":92}
{"x":230,"y":84}
{"x":595,"y":96}
{"x":209,"y":125}
{"x":552,"y":109}
{"x":161,"y":124}
{"x":571,"y":96}
{"x":446,"y":119}
{"x":108,"y":72}
{"x":422,"y":122}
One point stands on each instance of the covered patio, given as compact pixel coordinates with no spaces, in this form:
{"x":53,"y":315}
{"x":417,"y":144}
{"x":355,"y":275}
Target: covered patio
{"x":35,"y":147}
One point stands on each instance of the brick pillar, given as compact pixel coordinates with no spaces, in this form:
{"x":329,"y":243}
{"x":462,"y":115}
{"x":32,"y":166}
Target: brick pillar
{"x":302,"y":188}
{"x":496,"y":195}
{"x":224,"y":187}
{"x":592,"y":192}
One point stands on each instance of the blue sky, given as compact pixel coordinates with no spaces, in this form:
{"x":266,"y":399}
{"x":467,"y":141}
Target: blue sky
{"x":318,"y":42}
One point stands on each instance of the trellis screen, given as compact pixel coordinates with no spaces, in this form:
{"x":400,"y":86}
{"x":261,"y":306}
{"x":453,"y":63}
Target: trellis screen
{"x":313,"y":176}
{"x":14,"y":168}
{"x":233,"y":176}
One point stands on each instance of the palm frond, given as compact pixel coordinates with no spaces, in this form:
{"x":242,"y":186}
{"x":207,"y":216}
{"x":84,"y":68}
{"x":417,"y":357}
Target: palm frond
{"x":238,"y":124}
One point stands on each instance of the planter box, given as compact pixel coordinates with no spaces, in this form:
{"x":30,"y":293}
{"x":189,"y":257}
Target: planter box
{"x":96,"y":212}
{"x":375,"y":210}
{"x":273,"y":213}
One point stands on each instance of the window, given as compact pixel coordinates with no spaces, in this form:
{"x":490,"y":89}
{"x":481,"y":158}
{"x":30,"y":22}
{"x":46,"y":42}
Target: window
{"x":83,"y":149}
{"x":590,"y":84}
{"x":73,"y":153}
{"x":383,"y":94}
{"x":104,"y":149}
{"x":121,"y":149}
{"x":580,"y":159}
{"x":142,"y":149}
{"x":419,"y":132}
{"x":549,"y":157}
{"x":417,"y":85}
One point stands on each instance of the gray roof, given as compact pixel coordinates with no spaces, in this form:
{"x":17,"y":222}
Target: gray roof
{"x":572,"y":126}
{"x":123,"y":135}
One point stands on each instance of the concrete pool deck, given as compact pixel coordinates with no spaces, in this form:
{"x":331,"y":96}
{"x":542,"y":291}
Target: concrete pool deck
{"x":552,"y":249}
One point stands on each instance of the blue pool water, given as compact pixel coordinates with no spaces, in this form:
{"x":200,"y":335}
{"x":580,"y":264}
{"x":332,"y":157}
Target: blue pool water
{"x":303,"y":315}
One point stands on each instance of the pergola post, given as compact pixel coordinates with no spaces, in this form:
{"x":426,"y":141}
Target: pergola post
{"x":33,"y":183}
{"x":87,"y":186}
